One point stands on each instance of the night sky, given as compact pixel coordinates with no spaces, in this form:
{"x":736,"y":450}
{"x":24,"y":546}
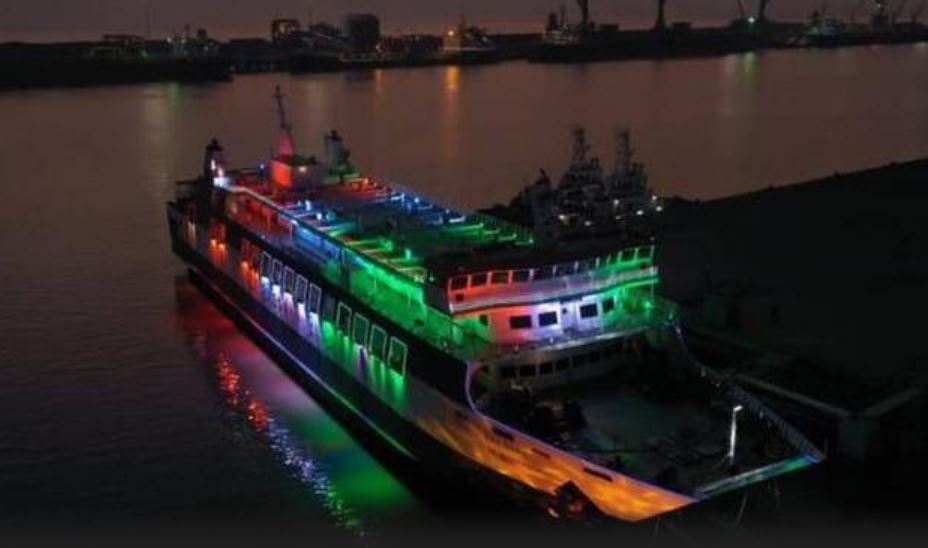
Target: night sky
{"x":58,"y":19}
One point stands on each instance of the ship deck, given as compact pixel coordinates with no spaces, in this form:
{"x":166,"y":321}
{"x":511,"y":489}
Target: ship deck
{"x":390,"y":225}
{"x":673,"y":433}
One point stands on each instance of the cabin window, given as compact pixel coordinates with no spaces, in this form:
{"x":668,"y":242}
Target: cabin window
{"x":254,"y":256}
{"x":608,"y":305}
{"x":543,"y":273}
{"x":594,"y":356}
{"x":520,"y":322}
{"x":289,"y":278}
{"x":499,"y":278}
{"x":343,"y":321}
{"x":520,"y":276}
{"x":360,"y":329}
{"x":565,"y":269}
{"x":547,"y":318}
{"x":526,"y":370}
{"x":300,"y":294}
{"x":484,"y":320}
{"x":477,"y":280}
{"x":397,"y":357}
{"x":459,"y":282}
{"x":546,"y":368}
{"x":580,"y":360}
{"x":328,"y":307}
{"x":266,"y":263}
{"x":644,"y":252}
{"x":378,"y":342}
{"x":627,"y":255}
{"x":278,"y":271}
{"x":507,"y":372}
{"x":315,"y":298}
{"x":561,"y":364}
{"x":588,"y":310}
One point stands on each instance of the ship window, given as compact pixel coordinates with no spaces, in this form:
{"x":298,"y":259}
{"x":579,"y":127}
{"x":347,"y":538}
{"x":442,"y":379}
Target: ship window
{"x":644,"y":252}
{"x":266,"y":265}
{"x":499,"y":278}
{"x":476,"y":280}
{"x":459,"y":282}
{"x":344,"y":318}
{"x":484,"y":320}
{"x":315,"y":297}
{"x":561,"y":364}
{"x":521,"y":276}
{"x":527,"y":370}
{"x":300,"y":294}
{"x":278,"y":271}
{"x":608,"y":305}
{"x":543,"y":273}
{"x":328,"y":307}
{"x":397,"y":359}
{"x":588,"y":310}
{"x":288,"y":280}
{"x":254,"y":256}
{"x":507,"y":372}
{"x":520,"y":322}
{"x":564,"y":269}
{"x":627,"y":255}
{"x":546,"y":368}
{"x":378,"y":342}
{"x":594,"y":356}
{"x":547,"y":318}
{"x":580,"y":360}
{"x":360,"y":328}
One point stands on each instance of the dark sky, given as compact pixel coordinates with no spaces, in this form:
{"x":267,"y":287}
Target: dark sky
{"x":89,"y":18}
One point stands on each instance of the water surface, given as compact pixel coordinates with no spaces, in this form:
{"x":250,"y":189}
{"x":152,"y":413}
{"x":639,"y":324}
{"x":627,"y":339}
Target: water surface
{"x":122,"y":391}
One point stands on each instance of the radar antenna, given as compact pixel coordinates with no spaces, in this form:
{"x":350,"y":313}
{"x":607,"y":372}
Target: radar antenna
{"x":285,"y":143}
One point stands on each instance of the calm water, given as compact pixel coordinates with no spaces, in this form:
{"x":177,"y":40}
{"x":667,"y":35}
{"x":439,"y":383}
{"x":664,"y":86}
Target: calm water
{"x":122,"y":391}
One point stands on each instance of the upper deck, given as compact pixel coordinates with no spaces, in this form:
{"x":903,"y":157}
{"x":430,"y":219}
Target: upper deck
{"x":427,"y":244}
{"x":462,"y":280}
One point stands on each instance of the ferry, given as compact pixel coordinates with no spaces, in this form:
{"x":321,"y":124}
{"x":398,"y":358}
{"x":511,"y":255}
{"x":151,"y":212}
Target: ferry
{"x":459,"y":338}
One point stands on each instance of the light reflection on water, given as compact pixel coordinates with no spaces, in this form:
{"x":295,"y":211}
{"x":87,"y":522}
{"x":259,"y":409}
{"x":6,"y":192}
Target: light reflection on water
{"x":272,"y":410}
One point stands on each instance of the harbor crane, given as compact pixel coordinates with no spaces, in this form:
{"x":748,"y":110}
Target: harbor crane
{"x":898,"y":11}
{"x":660,"y":23}
{"x":917,"y":12}
{"x":853,"y":15}
{"x":762,"y":11}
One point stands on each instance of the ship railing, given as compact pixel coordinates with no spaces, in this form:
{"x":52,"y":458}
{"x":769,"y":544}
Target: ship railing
{"x":809,"y":452}
{"x":533,"y":291}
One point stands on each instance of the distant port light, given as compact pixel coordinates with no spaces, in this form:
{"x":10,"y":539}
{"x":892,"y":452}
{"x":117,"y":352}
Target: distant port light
{"x":751,"y":20}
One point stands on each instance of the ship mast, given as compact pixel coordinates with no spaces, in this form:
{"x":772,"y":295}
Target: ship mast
{"x":285,"y":142}
{"x":581,"y":148}
{"x":624,"y":152}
